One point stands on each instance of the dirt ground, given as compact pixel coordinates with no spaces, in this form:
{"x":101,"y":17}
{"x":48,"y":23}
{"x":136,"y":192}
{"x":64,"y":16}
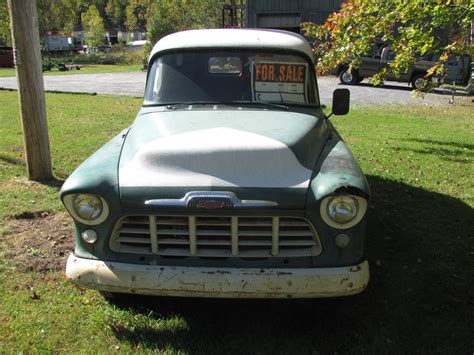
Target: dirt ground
{"x":39,"y":241}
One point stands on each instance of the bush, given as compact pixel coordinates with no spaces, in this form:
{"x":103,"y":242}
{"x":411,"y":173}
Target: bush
{"x":118,"y":55}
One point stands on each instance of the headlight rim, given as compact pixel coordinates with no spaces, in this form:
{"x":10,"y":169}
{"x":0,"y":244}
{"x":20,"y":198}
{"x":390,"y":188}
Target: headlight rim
{"x":69,"y":203}
{"x":362,"y":204}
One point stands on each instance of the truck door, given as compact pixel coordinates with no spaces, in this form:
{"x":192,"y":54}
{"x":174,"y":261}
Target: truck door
{"x":370,"y":62}
{"x":388,"y":55}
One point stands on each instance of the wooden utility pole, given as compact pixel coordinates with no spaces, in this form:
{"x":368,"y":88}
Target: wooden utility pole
{"x":29,"y":74}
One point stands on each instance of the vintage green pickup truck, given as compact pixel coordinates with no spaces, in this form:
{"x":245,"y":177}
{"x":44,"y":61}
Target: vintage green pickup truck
{"x":231,"y":181}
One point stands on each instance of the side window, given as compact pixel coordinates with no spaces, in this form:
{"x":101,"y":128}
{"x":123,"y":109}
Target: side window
{"x":377,"y":51}
{"x":391,"y":55}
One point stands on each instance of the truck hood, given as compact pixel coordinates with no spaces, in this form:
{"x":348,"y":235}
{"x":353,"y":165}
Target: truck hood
{"x":256,"y":154}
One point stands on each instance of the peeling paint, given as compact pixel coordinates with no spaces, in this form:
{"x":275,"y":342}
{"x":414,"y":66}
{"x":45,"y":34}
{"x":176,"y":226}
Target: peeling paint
{"x":218,"y":282}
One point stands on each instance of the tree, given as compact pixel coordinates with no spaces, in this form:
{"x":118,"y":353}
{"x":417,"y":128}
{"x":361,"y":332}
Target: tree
{"x":136,"y":14}
{"x":5,"y":34}
{"x":165,"y":17}
{"x":412,"y":27}
{"x":94,"y":25}
{"x":115,"y":10}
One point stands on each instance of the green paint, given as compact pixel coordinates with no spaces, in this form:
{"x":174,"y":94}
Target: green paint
{"x":303,"y":133}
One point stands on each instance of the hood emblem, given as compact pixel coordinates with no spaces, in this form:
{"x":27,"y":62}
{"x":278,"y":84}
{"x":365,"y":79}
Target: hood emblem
{"x":209,"y":204}
{"x":210,"y":200}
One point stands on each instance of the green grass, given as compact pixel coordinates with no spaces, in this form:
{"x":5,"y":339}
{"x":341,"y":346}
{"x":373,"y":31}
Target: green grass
{"x":86,"y":69}
{"x":419,"y":163}
{"x":78,"y":125}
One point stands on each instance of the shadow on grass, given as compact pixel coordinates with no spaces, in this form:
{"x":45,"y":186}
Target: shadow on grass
{"x":420,"y":298}
{"x":12,"y":161}
{"x":449,"y":151}
{"x":54,"y":182}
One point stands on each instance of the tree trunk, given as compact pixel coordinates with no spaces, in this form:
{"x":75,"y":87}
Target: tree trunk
{"x":29,"y":74}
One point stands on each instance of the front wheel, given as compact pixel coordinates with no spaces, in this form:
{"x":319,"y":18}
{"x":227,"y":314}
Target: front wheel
{"x":347,"y":77}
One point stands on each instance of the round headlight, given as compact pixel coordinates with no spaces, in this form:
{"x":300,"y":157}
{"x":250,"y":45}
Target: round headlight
{"x":342,"y":209}
{"x":87,"y":207}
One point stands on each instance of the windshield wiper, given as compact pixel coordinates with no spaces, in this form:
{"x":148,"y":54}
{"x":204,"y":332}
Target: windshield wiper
{"x":266,"y":103}
{"x":174,"y":105}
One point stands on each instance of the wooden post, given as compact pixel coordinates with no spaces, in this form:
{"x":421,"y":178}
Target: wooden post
{"x":29,"y":74}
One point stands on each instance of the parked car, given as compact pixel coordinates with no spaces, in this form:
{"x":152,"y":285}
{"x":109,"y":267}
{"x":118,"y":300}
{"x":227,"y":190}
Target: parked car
{"x":6,"y":57}
{"x":231,"y":181}
{"x":380,"y":57}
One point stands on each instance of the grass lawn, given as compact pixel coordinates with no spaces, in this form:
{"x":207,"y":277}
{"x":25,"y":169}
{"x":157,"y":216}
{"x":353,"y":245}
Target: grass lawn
{"x":86,"y":69}
{"x":419,"y":163}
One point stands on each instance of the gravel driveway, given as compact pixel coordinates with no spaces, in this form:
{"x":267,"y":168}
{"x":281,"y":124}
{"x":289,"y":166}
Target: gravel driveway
{"x":133,"y":84}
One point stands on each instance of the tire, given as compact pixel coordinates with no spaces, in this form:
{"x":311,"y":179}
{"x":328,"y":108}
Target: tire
{"x":359,"y":79}
{"x":418,"y":82}
{"x":348,"y":78}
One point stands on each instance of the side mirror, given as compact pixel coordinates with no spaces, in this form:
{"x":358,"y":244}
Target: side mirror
{"x":340,"y":101}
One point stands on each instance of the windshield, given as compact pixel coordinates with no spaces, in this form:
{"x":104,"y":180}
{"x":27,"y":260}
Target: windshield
{"x":231,"y":76}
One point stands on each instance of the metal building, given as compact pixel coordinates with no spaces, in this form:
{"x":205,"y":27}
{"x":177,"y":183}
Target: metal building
{"x":288,"y":14}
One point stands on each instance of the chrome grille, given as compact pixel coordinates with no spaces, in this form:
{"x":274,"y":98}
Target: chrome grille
{"x":216,"y":236}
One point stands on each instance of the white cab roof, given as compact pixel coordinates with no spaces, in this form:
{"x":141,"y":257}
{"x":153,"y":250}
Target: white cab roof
{"x":233,"y":38}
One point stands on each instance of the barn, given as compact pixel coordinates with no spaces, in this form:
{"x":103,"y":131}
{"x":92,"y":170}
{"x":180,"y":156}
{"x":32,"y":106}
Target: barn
{"x":288,"y":14}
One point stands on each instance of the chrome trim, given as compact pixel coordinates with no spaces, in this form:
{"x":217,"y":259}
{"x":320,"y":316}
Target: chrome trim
{"x":192,"y":235}
{"x":233,"y":200}
{"x":275,"y":235}
{"x":234,"y":235}
{"x":153,"y":235}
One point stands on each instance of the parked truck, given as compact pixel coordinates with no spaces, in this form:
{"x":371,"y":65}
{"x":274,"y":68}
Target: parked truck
{"x":458,"y":69}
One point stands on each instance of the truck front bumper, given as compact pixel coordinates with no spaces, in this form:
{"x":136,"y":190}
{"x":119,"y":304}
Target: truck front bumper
{"x":217,"y":282}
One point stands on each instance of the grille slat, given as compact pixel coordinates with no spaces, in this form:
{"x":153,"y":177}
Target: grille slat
{"x":134,"y":240}
{"x":216,"y":236}
{"x":135,"y":231}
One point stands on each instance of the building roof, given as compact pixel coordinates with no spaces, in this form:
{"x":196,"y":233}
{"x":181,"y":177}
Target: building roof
{"x":233,"y":38}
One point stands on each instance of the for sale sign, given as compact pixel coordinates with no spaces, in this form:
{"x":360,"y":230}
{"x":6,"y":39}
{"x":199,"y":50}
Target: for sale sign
{"x":279,"y":82}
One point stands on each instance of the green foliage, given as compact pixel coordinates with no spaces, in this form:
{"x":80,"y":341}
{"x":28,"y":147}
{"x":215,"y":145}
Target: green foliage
{"x":94,"y":25}
{"x":165,"y":17}
{"x":136,"y":12}
{"x":115,"y":10}
{"x":414,"y":28}
{"x":5,"y":34}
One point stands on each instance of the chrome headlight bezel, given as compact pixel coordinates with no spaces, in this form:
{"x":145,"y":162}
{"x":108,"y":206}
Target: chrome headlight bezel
{"x":69,"y":203}
{"x":361,"y":205}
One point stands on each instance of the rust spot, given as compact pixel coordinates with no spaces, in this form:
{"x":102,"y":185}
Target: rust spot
{"x":343,"y":280}
{"x":134,"y":278}
{"x":350,"y":285}
{"x":284,"y":273}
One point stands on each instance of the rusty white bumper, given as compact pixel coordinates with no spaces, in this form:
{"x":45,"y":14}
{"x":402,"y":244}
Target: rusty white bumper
{"x":217,"y":282}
